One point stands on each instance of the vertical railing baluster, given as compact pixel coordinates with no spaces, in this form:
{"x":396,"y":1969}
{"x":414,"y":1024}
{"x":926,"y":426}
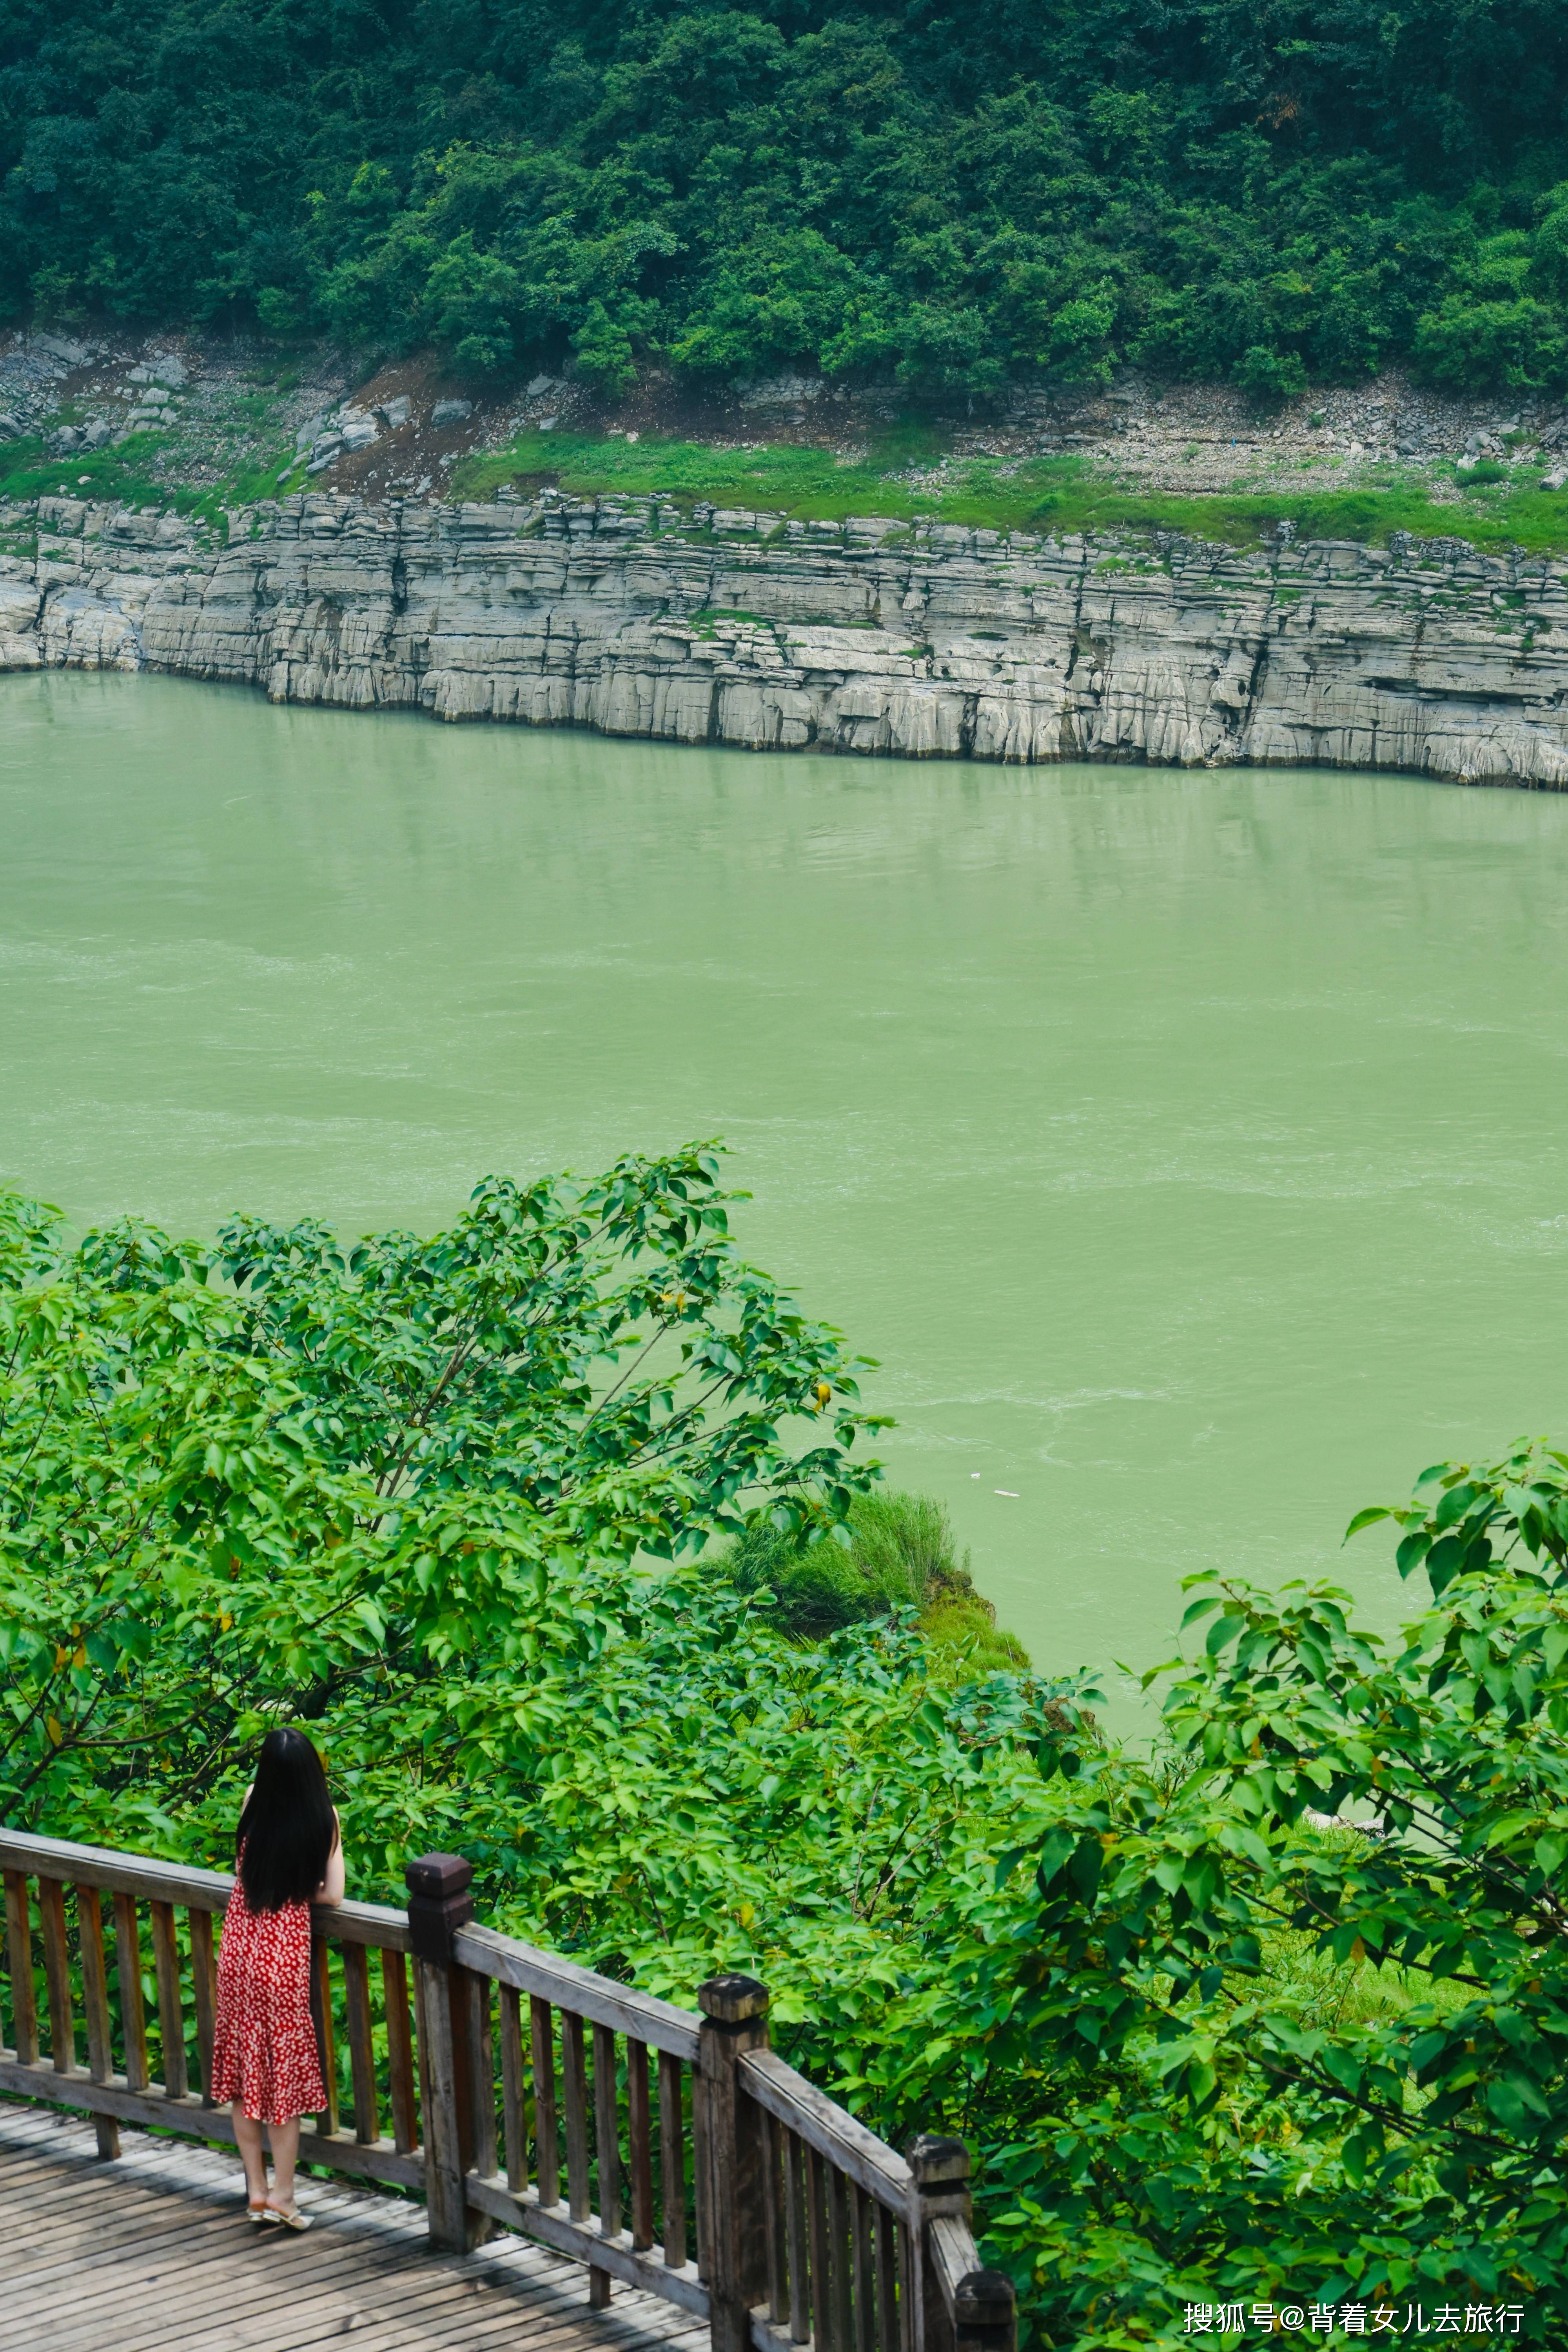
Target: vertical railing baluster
{"x":481,"y":2046}
{"x":132,"y":2009}
{"x":95,"y":2008}
{"x":204,"y":1986}
{"x":860,"y":2239}
{"x":796,"y":2231}
{"x":606,"y":2131}
{"x":19,"y":1961}
{"x":607,"y":2139}
{"x":639,"y":2144}
{"x":546,"y":2132}
{"x":906,"y":2305}
{"x":773,"y":2219}
{"x":816,"y":2209}
{"x":672,"y":2158}
{"x":514,"y":2102}
{"x":171,"y":2015}
{"x":399,"y":2052}
{"x":326,"y":2040}
{"x":57,"y":1975}
{"x":702,"y":2183}
{"x":838,"y":2225}
{"x":886,"y":2281}
{"x":575,"y":2100}
{"x":361,"y":2043}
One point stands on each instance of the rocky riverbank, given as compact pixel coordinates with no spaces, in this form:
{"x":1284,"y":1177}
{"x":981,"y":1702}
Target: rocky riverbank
{"x":869,"y":637}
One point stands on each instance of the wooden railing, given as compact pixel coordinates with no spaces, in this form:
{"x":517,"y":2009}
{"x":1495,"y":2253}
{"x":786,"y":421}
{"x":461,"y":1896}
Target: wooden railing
{"x":671,"y":2151}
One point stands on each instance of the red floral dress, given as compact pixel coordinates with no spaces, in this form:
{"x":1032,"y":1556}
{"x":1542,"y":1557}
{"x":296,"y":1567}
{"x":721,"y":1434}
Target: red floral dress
{"x":264,"y":2043}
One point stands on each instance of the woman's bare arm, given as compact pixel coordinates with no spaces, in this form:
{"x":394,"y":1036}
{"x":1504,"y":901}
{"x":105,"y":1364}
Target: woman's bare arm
{"x":331,"y":1889}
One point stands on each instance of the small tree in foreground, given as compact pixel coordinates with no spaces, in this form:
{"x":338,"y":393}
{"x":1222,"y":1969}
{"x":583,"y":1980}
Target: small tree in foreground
{"x":1283,"y":2060}
{"x":236,"y":1479}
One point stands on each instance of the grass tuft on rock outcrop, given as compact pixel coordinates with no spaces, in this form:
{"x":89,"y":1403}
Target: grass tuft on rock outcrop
{"x":901,"y":1554}
{"x":128,"y":476}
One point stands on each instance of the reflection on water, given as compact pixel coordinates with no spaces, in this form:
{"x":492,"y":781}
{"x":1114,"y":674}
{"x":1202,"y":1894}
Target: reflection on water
{"x":1188,"y":1147}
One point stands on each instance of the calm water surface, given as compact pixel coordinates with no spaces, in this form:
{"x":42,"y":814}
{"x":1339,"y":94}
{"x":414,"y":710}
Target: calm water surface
{"x":1189,"y":1148}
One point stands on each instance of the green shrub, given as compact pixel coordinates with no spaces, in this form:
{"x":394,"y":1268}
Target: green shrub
{"x":901,"y":1554}
{"x":1269,"y":378}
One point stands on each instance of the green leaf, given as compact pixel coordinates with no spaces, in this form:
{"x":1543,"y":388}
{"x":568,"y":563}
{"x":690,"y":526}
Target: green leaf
{"x":1551,"y":1847}
{"x":1412,"y":1551}
{"x":1456,"y":1503}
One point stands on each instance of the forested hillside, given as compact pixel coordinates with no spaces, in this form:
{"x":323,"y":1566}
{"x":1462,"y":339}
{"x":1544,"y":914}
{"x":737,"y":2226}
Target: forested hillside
{"x":1266,"y":193}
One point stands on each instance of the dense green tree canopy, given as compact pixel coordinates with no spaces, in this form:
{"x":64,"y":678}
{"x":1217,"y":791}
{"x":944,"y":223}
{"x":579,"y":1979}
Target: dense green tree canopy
{"x":945,"y":196}
{"x":245,"y":1476}
{"x":1275,"y":2012}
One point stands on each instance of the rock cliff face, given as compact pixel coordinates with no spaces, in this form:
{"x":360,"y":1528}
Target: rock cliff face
{"x":864,"y":636}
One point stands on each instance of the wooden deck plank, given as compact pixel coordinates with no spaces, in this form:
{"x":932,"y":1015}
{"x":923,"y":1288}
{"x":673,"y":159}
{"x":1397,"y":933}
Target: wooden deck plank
{"x":135,"y":2263}
{"x":317,"y":2309}
{"x":155,"y":2248}
{"x":231,"y":2244}
{"x":316,"y":2305}
{"x":319,"y":2297}
{"x":312,"y":2274}
{"x":107,"y":2229}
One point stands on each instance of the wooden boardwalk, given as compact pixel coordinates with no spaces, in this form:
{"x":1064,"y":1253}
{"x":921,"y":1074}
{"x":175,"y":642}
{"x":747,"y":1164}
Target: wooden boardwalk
{"x":152,"y":2252}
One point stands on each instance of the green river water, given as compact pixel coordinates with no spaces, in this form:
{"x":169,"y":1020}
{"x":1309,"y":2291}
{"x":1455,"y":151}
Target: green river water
{"x":1189,"y":1148}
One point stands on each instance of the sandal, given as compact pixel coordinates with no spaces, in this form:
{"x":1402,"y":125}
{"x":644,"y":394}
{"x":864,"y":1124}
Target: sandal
{"x":288,"y":2217}
{"x":255,"y":2211}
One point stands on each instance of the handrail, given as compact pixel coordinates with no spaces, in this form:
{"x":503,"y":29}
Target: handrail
{"x":697,"y":2165}
{"x":565,"y":1984}
{"x":374,"y":1924}
{"x":128,"y":1874}
{"x":804,"y":2110}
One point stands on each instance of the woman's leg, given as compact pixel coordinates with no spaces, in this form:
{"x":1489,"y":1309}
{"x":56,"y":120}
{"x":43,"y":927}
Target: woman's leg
{"x":285,"y":2139}
{"x":249,"y":2136}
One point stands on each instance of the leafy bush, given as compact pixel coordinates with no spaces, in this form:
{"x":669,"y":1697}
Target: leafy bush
{"x":235,"y":1475}
{"x":899,"y":1554}
{"x":1269,"y":378}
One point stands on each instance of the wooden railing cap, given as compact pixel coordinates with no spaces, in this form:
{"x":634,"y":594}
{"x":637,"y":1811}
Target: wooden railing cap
{"x":732,"y":1999}
{"x":437,"y":1876}
{"x":937,"y":2162}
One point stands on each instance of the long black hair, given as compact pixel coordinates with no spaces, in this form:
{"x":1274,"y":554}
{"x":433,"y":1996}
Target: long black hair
{"x":287,"y":1828}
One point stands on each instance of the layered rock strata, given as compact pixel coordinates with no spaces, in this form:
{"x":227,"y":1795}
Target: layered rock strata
{"x":862,"y":637}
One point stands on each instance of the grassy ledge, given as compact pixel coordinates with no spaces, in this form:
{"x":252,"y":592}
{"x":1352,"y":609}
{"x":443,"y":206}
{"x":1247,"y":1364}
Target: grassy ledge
{"x":128,"y":476}
{"x":904,"y":479}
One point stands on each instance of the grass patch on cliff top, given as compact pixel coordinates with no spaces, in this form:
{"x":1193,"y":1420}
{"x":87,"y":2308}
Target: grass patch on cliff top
{"x":902,"y":478}
{"x":128,"y":476}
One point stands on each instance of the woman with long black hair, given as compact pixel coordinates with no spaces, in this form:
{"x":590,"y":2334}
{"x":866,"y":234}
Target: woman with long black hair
{"x":289,"y":1855}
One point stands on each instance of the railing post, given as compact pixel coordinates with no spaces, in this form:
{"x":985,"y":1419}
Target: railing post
{"x":985,"y":2313}
{"x":439,"y":1904}
{"x":940,"y":2167}
{"x":959,"y":2307}
{"x":734,"y":2181}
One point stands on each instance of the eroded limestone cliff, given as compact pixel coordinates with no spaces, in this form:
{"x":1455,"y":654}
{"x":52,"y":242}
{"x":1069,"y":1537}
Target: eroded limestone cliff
{"x":863,"y":637}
